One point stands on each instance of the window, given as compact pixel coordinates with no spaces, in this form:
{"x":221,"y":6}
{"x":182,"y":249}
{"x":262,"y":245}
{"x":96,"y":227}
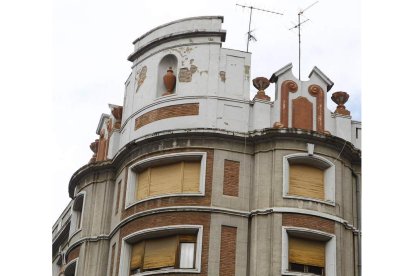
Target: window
{"x":175,"y":251}
{"x":153,"y":251}
{"x":306,"y":255}
{"x":174,"y":178}
{"x":77,"y":210}
{"x":70,"y":269}
{"x":167,"y":175}
{"x":309,"y":177}
{"x":308,"y":251}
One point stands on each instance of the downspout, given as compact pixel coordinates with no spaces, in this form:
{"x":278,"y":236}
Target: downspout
{"x":358,"y":203}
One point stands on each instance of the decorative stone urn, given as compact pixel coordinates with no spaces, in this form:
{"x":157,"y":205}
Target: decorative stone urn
{"x":94,"y":147}
{"x":340,"y":98}
{"x":169,"y":81}
{"x":261,"y":83}
{"x":117,"y":112}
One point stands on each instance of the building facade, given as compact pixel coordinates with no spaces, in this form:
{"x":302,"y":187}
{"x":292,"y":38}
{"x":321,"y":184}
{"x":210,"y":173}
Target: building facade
{"x":193,"y":177}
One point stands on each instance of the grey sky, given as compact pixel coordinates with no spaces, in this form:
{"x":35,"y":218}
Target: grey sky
{"x":92,"y":39}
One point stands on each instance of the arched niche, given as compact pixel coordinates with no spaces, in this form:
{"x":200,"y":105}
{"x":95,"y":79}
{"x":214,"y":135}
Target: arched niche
{"x":167,"y":62}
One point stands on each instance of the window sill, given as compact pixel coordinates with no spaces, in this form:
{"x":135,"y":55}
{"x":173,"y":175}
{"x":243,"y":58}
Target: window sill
{"x":296,"y":273}
{"x":131,"y":204}
{"x":327,"y":202}
{"x":167,"y":270}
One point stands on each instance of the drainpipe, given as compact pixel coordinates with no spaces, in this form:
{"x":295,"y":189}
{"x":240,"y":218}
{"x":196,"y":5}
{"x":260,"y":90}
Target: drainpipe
{"x":358,"y":203}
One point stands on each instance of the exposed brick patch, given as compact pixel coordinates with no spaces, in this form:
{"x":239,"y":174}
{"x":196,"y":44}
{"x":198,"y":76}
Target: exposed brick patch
{"x":161,"y":113}
{"x":307,"y":221}
{"x":228,"y":251}
{"x":176,"y":200}
{"x":73,"y":254}
{"x":173,"y":218}
{"x":231,"y":178}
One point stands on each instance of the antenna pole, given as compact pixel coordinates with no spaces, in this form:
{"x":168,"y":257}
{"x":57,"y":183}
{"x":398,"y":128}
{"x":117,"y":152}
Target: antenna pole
{"x":299,"y":41}
{"x":298,"y":26}
{"x":248,"y":34}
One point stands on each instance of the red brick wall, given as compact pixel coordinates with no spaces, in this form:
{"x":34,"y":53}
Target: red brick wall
{"x":73,"y":254}
{"x":307,"y":221}
{"x":228,"y":251}
{"x":166,"y":112}
{"x":231,"y":178}
{"x":176,"y":200}
{"x":173,"y":218}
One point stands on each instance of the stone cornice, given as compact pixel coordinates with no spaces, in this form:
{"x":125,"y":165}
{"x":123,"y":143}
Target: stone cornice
{"x":179,"y":35}
{"x":346,"y":148}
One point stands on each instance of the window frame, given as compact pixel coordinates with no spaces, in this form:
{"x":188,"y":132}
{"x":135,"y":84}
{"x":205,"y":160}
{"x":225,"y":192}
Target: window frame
{"x":330,"y":249}
{"x":74,"y":262}
{"x":149,"y":233}
{"x":131,"y":199}
{"x":322,"y":163}
{"x":77,"y":216}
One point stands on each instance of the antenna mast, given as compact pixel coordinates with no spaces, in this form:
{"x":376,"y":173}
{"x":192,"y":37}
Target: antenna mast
{"x":298,"y":26}
{"x":249,"y":35}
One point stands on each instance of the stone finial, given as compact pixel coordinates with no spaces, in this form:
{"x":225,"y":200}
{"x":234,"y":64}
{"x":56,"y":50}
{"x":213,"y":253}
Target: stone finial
{"x":340,"y":98}
{"x":261,"y":83}
{"x":94,"y":148}
{"x":117,"y":113}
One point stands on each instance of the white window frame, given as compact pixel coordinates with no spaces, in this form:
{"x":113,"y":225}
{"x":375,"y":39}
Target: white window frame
{"x":329,"y":177}
{"x":73,"y":262}
{"x":160,"y":231}
{"x":76,"y":216}
{"x":330,"y":250}
{"x":168,"y":158}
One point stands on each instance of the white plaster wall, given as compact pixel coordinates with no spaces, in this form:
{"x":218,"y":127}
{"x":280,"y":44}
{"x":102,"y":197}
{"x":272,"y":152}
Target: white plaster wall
{"x":260,"y":115}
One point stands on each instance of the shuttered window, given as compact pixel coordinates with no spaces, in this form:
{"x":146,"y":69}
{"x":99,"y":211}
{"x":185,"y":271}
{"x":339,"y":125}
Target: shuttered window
{"x":180,"y":177}
{"x":176,"y":251}
{"x":306,"y":252}
{"x":160,"y":253}
{"x":306,"y":181}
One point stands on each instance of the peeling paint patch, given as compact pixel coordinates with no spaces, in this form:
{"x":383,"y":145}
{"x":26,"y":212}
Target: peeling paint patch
{"x":222,"y":76}
{"x":205,"y":72}
{"x":193,"y":69}
{"x":247,"y":71}
{"x":140,"y":77}
{"x":191,"y":61}
{"x":184,"y":75}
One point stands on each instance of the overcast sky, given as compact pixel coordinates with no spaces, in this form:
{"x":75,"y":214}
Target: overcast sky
{"x":92,"y":39}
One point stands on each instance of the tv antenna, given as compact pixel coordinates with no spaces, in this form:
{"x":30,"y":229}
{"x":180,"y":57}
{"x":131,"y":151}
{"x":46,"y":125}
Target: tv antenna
{"x":298,"y":26}
{"x":249,"y":33}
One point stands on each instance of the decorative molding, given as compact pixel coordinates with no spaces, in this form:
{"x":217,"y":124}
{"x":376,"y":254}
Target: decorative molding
{"x":286,"y":87}
{"x":316,"y":91}
{"x":302,"y":113}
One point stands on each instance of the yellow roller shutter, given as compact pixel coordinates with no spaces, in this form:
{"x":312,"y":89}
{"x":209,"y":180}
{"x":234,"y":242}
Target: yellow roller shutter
{"x":306,"y":252}
{"x":306,"y":181}
{"x":166,"y":179}
{"x":191,"y":177}
{"x":160,"y":252}
{"x":142,"y":187}
{"x":137,"y":253}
